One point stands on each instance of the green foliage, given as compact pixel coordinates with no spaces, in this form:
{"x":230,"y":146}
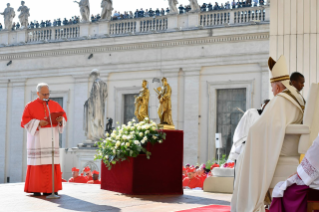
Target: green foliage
{"x":211,"y":162}
{"x":128,"y":141}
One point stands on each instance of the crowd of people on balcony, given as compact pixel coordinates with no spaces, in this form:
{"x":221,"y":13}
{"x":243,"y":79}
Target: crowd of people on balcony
{"x":147,"y":13}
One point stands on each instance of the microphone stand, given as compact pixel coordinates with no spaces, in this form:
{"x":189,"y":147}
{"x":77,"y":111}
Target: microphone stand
{"x":52,"y":196}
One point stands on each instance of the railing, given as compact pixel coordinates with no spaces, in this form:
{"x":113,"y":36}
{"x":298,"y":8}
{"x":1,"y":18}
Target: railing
{"x":214,"y":18}
{"x":234,"y":16}
{"x":122,"y":27}
{"x":157,"y":24}
{"x":137,"y":25}
{"x":247,"y":15}
{"x":54,"y":33}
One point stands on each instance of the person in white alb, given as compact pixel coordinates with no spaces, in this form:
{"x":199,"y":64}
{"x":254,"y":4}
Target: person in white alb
{"x":266,"y":141}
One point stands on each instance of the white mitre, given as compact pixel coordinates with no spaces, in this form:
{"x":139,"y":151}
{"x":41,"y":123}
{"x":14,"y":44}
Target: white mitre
{"x":279,"y":73}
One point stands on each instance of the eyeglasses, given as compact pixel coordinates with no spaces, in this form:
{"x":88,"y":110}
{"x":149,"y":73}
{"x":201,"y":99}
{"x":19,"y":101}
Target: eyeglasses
{"x":45,"y":94}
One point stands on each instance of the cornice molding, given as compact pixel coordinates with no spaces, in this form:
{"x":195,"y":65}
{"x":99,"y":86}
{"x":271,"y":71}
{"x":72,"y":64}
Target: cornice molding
{"x":139,"y":46}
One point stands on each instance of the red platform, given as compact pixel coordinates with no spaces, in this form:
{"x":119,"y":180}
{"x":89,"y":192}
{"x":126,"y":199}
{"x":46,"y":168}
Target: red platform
{"x":161,"y":174}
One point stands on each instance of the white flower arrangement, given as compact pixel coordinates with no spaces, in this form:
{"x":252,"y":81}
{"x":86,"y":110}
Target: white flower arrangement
{"x":129,"y":141}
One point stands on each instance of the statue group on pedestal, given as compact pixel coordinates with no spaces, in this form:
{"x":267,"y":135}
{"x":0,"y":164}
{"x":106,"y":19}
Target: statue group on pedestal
{"x":165,"y":105}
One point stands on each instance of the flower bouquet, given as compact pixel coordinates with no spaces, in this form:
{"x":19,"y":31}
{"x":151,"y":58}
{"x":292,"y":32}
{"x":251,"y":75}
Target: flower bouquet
{"x":129,"y":141}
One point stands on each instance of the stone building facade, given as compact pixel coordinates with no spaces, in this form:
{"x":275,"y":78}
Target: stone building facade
{"x":215,"y":63}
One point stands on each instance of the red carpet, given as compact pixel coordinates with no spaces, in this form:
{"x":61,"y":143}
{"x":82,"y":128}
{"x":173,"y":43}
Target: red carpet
{"x":210,"y":208}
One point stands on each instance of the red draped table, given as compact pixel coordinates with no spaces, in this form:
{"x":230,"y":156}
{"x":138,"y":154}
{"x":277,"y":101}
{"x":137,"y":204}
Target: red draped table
{"x":161,"y":174}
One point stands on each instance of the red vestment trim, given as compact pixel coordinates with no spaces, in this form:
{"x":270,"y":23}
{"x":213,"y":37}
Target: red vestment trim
{"x":39,"y":179}
{"x":35,"y":110}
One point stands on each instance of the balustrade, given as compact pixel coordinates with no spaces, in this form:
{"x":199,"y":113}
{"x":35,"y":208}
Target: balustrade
{"x":140,"y":25}
{"x":157,"y":24}
{"x":122,"y":27}
{"x":215,"y":18}
{"x":53,"y":33}
{"x":249,"y":14}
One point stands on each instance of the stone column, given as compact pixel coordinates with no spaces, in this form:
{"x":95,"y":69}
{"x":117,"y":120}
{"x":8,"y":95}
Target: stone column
{"x":191,"y":119}
{"x":3,"y":129}
{"x":80,"y":96}
{"x":17,"y":145}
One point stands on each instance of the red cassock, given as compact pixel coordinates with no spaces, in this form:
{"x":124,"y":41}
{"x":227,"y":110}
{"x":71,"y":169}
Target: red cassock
{"x":89,"y":178}
{"x":192,"y":183}
{"x":202,"y":178}
{"x":94,"y":182}
{"x":39,"y":177}
{"x":79,"y":179}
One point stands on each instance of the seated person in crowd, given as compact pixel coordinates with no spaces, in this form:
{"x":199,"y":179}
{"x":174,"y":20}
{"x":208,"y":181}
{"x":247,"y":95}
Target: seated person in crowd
{"x":87,"y":173}
{"x":297,"y":80}
{"x":162,"y":12}
{"x":200,"y":174}
{"x":203,"y":7}
{"x":216,"y":7}
{"x":76,"y":178}
{"x":184,"y":173}
{"x":187,"y":167}
{"x":157,"y":12}
{"x":291,"y":195}
{"x":95,"y":178}
{"x":210,"y":173}
{"x":191,"y":181}
{"x":181,"y":9}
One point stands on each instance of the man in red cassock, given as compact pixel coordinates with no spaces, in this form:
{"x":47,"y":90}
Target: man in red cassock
{"x":184,"y":173}
{"x":192,"y":181}
{"x":76,"y":178}
{"x":35,"y":120}
{"x":87,"y":173}
{"x":201,"y":175}
{"x":95,"y":178}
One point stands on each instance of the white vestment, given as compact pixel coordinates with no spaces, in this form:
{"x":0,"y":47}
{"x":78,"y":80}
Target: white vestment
{"x":39,"y":143}
{"x":308,"y":172}
{"x":241,"y":132}
{"x":264,"y":144}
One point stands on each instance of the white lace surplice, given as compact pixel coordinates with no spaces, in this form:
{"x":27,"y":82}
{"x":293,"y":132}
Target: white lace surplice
{"x":39,"y":143}
{"x":308,"y":171}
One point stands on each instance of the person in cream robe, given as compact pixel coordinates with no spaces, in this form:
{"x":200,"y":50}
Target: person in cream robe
{"x":266,"y":141}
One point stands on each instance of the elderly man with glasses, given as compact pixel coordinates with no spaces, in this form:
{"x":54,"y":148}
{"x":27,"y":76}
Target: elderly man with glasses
{"x":36,"y":120}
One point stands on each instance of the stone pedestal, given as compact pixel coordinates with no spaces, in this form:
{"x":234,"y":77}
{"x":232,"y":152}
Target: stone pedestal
{"x":79,"y":157}
{"x":172,"y":22}
{"x":104,"y":27}
{"x":4,"y":37}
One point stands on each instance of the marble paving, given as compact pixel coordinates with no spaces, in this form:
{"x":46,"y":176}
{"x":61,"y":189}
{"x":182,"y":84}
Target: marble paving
{"x":85,"y":197}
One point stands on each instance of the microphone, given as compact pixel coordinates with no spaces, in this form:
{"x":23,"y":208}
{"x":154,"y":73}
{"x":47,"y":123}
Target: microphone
{"x":46,"y":100}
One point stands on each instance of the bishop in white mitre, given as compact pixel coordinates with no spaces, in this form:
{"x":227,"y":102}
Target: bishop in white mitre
{"x":266,"y":141}
{"x":35,"y":120}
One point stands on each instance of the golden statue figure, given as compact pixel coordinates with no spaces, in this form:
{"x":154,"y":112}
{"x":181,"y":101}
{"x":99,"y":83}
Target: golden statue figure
{"x":165,"y":107}
{"x":141,"y":102}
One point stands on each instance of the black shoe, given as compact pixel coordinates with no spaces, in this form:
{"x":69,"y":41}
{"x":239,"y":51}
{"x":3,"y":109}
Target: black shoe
{"x":36,"y":194}
{"x":56,"y":193}
{"x":46,"y":194}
